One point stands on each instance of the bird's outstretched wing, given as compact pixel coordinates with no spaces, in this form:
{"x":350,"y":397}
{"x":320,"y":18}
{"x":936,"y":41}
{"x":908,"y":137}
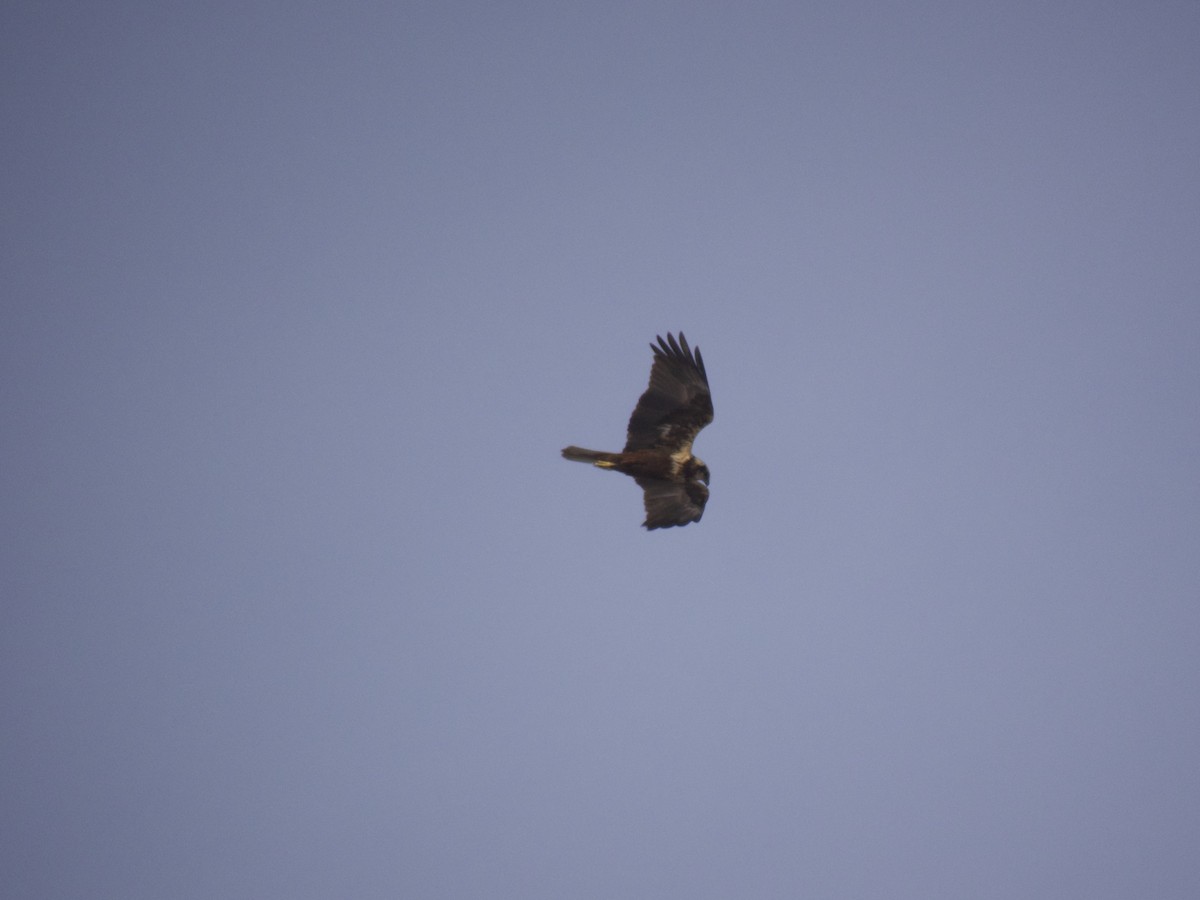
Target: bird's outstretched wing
{"x":676,"y":405}
{"x":670,"y":503}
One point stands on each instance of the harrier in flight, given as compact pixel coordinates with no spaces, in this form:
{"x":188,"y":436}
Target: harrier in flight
{"x":658,"y":445}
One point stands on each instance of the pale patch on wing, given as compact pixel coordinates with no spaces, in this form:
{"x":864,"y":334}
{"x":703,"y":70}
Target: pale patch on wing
{"x":664,"y":431}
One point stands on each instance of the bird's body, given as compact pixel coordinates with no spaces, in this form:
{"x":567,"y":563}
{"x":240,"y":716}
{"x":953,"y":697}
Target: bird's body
{"x":658,"y":446}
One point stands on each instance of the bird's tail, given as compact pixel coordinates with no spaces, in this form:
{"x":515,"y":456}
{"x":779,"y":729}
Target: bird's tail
{"x":595,"y":457}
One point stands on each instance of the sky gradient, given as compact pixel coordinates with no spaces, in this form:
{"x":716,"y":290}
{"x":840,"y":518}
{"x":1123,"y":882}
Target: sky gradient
{"x":301,"y":302}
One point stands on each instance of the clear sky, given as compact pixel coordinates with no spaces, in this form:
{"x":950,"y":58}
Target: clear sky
{"x":301,"y":301}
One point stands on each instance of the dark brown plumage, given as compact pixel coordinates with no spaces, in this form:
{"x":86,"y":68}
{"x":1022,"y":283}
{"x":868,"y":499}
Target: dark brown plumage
{"x":658,"y":445}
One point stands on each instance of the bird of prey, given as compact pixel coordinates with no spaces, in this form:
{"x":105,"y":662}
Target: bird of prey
{"x":658,"y":445}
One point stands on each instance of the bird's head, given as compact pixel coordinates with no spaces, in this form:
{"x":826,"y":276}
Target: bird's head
{"x":699,"y":469}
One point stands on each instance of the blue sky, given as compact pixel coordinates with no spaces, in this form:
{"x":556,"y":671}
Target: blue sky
{"x":302,"y":301}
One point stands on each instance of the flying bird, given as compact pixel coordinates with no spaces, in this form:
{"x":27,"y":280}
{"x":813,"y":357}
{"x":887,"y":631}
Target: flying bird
{"x":658,"y":444}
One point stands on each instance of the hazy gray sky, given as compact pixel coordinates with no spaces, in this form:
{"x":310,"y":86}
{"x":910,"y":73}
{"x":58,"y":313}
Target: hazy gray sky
{"x":301,"y":301}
